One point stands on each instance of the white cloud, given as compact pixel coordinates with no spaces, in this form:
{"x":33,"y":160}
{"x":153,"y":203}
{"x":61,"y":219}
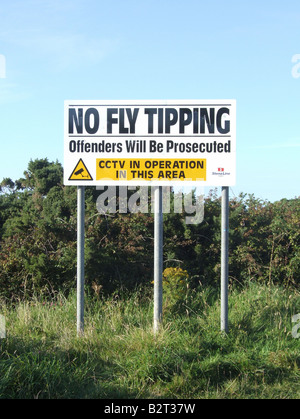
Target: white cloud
{"x":63,"y":51}
{"x":44,"y":30}
{"x":11,"y":93}
{"x":293,"y":143}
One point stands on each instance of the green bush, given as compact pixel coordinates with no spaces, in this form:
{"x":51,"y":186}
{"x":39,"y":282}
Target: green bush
{"x":38,"y":240}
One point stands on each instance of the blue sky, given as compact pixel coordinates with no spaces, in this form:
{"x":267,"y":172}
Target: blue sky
{"x":168,"y":49}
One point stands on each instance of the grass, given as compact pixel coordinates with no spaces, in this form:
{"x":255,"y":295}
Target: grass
{"x":118,"y":356}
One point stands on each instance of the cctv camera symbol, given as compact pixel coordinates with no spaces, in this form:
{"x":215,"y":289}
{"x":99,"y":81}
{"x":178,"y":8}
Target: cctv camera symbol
{"x":79,"y":172}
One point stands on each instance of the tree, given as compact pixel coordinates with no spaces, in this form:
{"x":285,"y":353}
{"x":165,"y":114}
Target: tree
{"x":42,"y":175}
{"x":38,"y":224}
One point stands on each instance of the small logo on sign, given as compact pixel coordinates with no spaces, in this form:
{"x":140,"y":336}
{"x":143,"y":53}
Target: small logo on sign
{"x":221,"y":172}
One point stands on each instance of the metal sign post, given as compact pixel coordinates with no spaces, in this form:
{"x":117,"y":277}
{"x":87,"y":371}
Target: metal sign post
{"x":224,"y":258}
{"x":80,"y":259}
{"x":158,"y":257}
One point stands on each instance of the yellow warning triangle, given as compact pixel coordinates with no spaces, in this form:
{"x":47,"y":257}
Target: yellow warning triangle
{"x":80,"y":172}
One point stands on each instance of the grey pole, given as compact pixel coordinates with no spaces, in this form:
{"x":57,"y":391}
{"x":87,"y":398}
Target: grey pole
{"x":224,"y":258}
{"x":158,"y":257}
{"x":80,"y":259}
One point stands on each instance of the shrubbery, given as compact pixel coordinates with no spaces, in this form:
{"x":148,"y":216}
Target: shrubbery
{"x":38,"y":239}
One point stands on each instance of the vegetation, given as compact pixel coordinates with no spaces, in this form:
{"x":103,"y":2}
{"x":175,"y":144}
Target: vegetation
{"x":118,"y":356}
{"x":38,"y":240}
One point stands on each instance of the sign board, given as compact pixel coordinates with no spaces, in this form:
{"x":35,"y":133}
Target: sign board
{"x":155,"y":143}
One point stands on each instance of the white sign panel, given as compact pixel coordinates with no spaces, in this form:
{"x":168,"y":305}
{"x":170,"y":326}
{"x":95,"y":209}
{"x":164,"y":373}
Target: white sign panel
{"x":150,"y":142}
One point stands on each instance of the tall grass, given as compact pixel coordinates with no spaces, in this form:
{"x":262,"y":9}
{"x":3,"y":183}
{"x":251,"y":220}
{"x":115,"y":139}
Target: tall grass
{"x":119,"y":357}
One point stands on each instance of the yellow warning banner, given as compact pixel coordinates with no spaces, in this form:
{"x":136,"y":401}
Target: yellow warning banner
{"x":151,"y":169}
{"x":80,"y":172}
